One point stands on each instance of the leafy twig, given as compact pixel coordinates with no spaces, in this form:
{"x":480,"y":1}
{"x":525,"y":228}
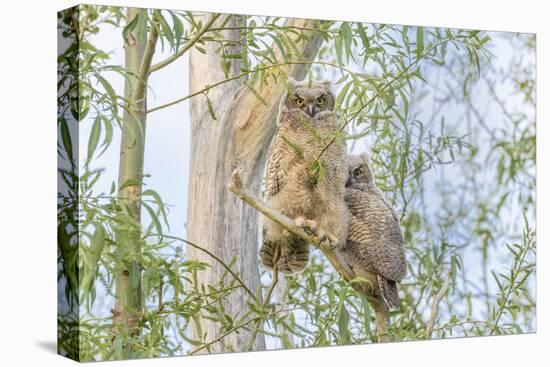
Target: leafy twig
{"x":244,"y":74}
{"x":238,"y":327}
{"x":220,"y":261}
{"x":515,"y":271}
{"x":187,"y":46}
{"x":267,"y":297}
{"x":378,"y":94}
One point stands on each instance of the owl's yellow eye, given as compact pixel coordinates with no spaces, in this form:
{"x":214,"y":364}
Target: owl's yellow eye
{"x":299,"y":101}
{"x":358,"y":172}
{"x":320,"y":101}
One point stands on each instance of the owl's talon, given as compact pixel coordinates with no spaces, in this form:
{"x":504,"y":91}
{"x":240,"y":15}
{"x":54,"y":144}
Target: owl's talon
{"x":309,"y":226}
{"x":327,"y":240}
{"x":300,"y":221}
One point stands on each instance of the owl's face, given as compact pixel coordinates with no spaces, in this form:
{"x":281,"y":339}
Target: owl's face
{"x":358,"y":170}
{"x":311,"y":97}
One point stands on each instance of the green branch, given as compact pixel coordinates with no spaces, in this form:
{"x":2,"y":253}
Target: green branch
{"x":244,"y":74}
{"x":220,"y":261}
{"x":267,"y":297}
{"x":145,"y":66}
{"x":186,"y":47}
{"x":238,"y":327}
{"x":514,"y":272}
{"x":379,"y":93}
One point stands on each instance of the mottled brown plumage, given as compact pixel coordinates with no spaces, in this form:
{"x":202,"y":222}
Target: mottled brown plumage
{"x":315,"y":201}
{"x":374,"y":246}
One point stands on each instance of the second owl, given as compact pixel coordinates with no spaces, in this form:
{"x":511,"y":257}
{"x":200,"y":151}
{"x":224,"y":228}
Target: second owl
{"x":315,"y":200}
{"x":374,"y":247}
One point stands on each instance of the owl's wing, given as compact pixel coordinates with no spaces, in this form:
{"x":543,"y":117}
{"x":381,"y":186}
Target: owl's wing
{"x":376,"y":234}
{"x":372,"y":189}
{"x":389,"y":206}
{"x":274,"y":181}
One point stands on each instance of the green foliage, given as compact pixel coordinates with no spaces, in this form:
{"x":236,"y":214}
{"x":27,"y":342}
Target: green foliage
{"x":379,"y":72}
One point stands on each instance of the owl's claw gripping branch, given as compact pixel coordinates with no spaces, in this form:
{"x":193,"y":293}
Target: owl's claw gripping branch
{"x":236,"y":187}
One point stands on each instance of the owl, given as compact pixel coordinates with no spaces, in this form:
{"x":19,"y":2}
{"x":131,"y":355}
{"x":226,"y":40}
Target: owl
{"x":374,"y":245}
{"x":312,"y":197}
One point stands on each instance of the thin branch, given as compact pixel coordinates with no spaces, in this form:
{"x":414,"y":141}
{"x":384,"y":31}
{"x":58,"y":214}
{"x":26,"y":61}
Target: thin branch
{"x":379,"y":93}
{"x":267,"y":297}
{"x":471,"y":106}
{"x":513,"y":276}
{"x":240,"y":326}
{"x":244,"y":74}
{"x":451,"y":326}
{"x":273,"y":28}
{"x":226,"y":267}
{"x":186,"y":47}
{"x":145,"y":66}
{"x":435,"y":303}
{"x":195,"y":298}
{"x":325,"y":325}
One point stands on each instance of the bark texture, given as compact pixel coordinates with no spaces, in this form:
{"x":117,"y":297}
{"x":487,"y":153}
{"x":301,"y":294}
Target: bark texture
{"x":239,"y":137}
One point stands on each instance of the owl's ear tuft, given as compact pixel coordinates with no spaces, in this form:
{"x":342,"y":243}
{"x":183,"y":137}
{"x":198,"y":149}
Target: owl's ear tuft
{"x":327,"y":84}
{"x":292,"y":83}
{"x":365,"y":158}
{"x":368,"y":173}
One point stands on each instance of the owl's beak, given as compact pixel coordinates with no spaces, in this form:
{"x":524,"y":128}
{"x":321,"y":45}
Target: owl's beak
{"x":310,"y":110}
{"x":349,"y":182}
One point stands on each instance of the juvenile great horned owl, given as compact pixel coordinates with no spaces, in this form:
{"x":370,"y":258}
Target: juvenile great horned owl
{"x":315,"y":200}
{"x":374,"y":247}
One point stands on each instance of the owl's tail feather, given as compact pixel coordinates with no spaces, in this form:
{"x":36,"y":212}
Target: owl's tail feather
{"x":290,"y":257}
{"x":388,"y":291}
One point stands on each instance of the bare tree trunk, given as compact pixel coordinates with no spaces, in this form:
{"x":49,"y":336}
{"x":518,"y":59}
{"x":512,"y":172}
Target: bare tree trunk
{"x":239,"y":137}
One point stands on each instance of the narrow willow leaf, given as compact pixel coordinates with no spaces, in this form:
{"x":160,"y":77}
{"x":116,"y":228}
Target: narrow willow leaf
{"x":94,"y":138}
{"x":343,"y":325}
{"x":210,"y":107}
{"x":363,"y":36}
{"x":166,"y":30}
{"x":129,"y":28}
{"x":366,"y":313}
{"x":159,"y":202}
{"x":110,"y":91}
{"x":108,"y":135}
{"x":154,"y":218}
{"x":294,"y":146}
{"x":178,"y":29}
{"x":141,"y":27}
{"x":419,"y":42}
{"x":66,"y":139}
{"x":347,"y":35}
